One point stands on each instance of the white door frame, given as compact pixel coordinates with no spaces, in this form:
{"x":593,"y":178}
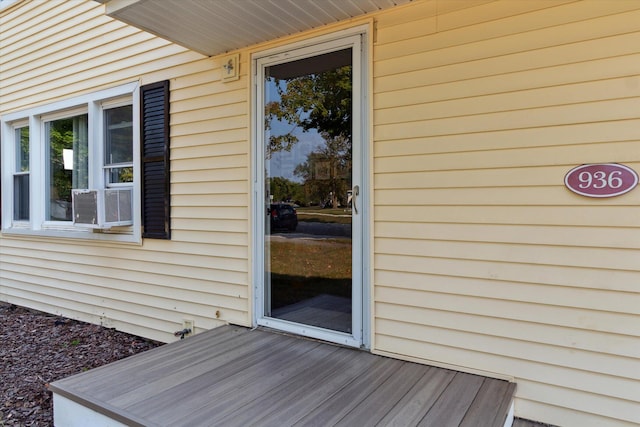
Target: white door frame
{"x":355,"y":38}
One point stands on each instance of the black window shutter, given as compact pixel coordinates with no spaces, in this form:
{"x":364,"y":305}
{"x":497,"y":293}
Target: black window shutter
{"x":154,"y":144}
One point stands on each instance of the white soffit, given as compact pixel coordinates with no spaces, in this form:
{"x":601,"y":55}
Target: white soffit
{"x":216,"y":26}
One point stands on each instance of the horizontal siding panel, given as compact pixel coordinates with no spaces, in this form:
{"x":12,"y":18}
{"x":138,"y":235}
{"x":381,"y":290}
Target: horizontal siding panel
{"x":136,"y":323}
{"x":606,"y":258}
{"x":205,"y":250}
{"x":196,"y":267}
{"x":583,"y":133}
{"x":210,"y":94}
{"x":228,"y":282}
{"x":212,"y":125}
{"x":211,"y":200}
{"x":119,"y":297}
{"x":616,"y":412}
{"x":554,"y":396}
{"x":513,"y":158}
{"x":439,"y":84}
{"x":31,"y":69}
{"x":610,"y":237}
{"x":211,"y":176}
{"x":204,"y":212}
{"x":40,"y":21}
{"x":596,"y":347}
{"x":403,"y":15}
{"x":66,"y":72}
{"x":527,"y":99}
{"x":210,"y":150}
{"x":13,"y":23}
{"x":100,"y":260}
{"x":619,"y":109}
{"x":200,"y":78}
{"x":210,"y":237}
{"x":203,"y":139}
{"x":489,"y":12}
{"x":601,"y":321}
{"x":545,"y":369}
{"x":595,"y":216}
{"x":227,"y":110}
{"x":220,"y":187}
{"x":398,"y":266}
{"x":485,"y":57}
{"x":207,"y":98}
{"x":422,"y":24}
{"x":208,"y":225}
{"x":26,"y":63}
{"x":563,"y":26}
{"x":547,"y":412}
{"x":211,"y":162}
{"x":494,"y":179}
{"x":96,"y":79}
{"x":552,"y":292}
{"x":391,"y":27}
{"x":507,"y":196}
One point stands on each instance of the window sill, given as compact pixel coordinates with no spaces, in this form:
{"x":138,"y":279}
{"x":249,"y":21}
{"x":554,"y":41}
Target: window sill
{"x":125,"y":236}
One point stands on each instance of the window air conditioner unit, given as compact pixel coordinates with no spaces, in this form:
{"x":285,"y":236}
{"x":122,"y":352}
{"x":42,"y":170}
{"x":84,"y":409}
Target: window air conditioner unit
{"x":102,"y":208}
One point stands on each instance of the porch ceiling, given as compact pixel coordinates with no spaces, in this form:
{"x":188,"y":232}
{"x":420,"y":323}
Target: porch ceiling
{"x":216,"y":26}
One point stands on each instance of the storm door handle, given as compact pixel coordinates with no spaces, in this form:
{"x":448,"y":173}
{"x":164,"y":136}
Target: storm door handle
{"x":354,"y":197}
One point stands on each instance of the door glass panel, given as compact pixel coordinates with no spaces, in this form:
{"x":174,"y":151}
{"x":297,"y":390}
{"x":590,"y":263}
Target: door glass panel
{"x":308,"y":181}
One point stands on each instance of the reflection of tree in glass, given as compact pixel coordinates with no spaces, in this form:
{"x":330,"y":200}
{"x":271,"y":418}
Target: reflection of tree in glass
{"x":118,"y":144}
{"x":62,"y":135}
{"x":327,"y":171}
{"x":60,"y":138}
{"x":285,"y":190}
{"x":320,"y":102}
{"x":23,"y":159}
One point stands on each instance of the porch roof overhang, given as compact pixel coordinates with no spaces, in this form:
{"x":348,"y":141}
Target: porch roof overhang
{"x":213,"y":27}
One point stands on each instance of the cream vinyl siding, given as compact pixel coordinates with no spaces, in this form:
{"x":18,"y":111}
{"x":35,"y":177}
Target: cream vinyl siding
{"x":482,"y":258}
{"x":55,"y":50}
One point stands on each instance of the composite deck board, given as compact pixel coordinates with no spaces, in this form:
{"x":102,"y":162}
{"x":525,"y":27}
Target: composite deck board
{"x":455,"y":400}
{"x":419,"y":399}
{"x":493,"y":396}
{"x":235,"y":376}
{"x":382,"y":399}
{"x":199,"y":378}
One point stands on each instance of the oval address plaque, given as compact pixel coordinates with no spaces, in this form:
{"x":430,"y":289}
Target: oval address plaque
{"x":601,"y":180}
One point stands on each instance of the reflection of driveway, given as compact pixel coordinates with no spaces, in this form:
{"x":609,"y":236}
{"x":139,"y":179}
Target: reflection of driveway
{"x":324,"y":229}
{"x":318,"y":230}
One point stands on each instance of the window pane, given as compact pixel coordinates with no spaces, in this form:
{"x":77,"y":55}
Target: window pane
{"x":22,"y":149}
{"x":119,"y":135}
{"x":21,"y":197}
{"x":67,"y":163}
{"x":120,"y":175}
{"x":21,"y":177}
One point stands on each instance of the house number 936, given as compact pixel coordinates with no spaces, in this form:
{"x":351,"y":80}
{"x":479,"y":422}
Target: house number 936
{"x":601,"y":180}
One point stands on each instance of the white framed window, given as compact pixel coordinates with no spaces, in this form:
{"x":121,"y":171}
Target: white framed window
{"x":21,"y":173}
{"x":86,"y":142}
{"x":66,"y":151}
{"x":118,"y":145}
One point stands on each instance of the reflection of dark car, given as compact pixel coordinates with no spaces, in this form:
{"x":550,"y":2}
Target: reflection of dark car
{"x":283,"y":216}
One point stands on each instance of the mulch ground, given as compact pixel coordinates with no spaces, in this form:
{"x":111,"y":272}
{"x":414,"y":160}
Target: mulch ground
{"x":38,"y":348}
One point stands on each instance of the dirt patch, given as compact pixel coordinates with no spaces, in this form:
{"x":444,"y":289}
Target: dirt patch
{"x":38,"y":348}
